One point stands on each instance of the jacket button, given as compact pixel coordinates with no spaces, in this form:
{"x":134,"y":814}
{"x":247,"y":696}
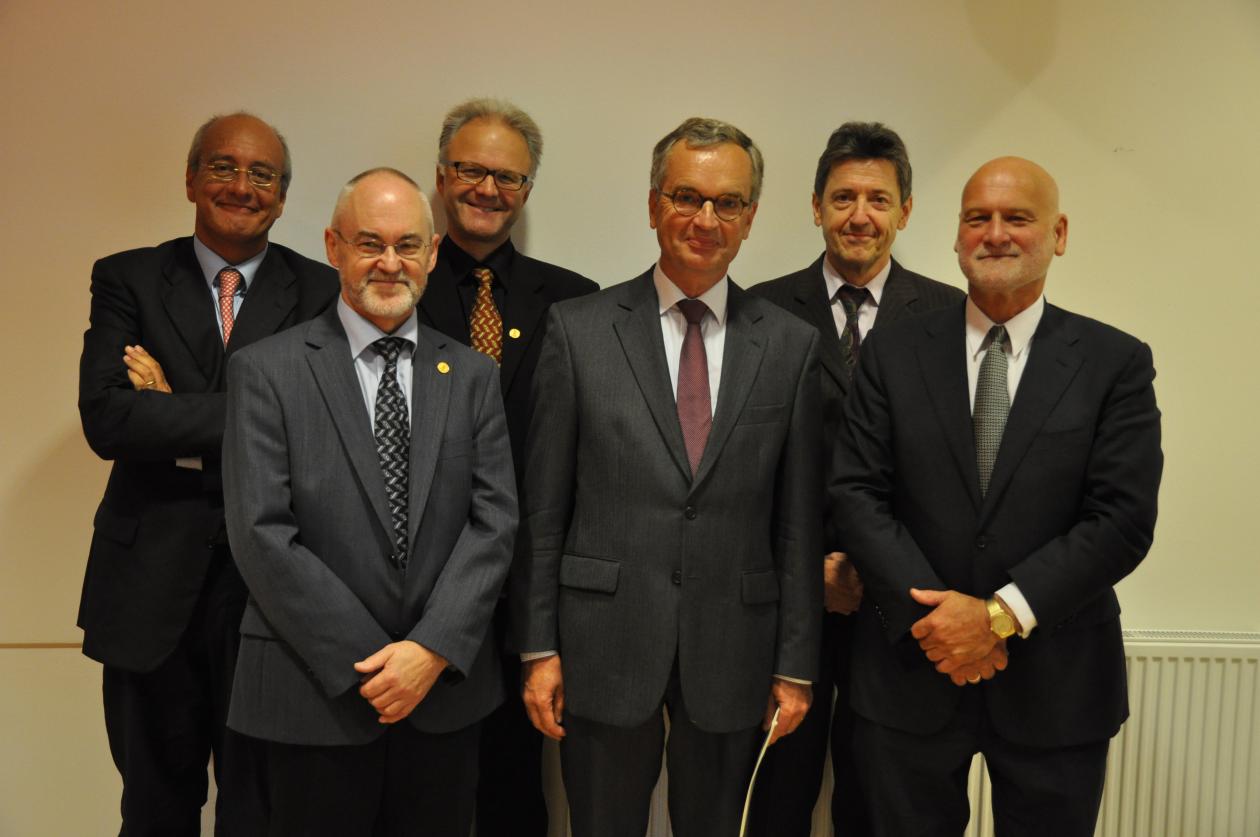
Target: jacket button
{"x":690,"y":512}
{"x":676,"y":577}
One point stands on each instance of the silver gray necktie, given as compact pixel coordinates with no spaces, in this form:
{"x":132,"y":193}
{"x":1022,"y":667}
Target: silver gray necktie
{"x":993,"y":403}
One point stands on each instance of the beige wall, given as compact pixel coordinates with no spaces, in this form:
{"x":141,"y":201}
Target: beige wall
{"x":1144,"y":111}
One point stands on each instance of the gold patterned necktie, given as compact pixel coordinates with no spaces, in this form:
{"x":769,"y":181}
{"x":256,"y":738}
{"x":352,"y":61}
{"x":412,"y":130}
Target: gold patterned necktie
{"x":486,"y":326}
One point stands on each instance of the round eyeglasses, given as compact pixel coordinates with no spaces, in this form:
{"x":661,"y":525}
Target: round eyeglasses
{"x":688,"y":202}
{"x":263,"y":178}
{"x":409,"y":249}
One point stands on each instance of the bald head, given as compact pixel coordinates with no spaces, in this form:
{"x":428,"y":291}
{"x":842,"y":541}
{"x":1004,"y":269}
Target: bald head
{"x":1009,"y":230}
{"x":381,"y":241}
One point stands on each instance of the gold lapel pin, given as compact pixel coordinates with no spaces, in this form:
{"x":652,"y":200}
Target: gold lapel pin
{"x":514,"y":333}
{"x":443,"y":367}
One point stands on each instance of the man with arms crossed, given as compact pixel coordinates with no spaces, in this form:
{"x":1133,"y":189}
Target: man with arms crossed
{"x":996,"y":475}
{"x":861,"y":200}
{"x":671,"y":487}
{"x":162,"y":600}
{"x":370,"y":500}
{"x":486,"y":294}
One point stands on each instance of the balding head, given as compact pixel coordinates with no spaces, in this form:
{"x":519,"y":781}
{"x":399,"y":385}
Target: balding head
{"x":381,"y":241}
{"x":1009,"y":229}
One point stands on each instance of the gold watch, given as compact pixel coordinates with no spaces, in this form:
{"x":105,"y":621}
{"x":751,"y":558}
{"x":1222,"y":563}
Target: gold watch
{"x":1000,"y":622}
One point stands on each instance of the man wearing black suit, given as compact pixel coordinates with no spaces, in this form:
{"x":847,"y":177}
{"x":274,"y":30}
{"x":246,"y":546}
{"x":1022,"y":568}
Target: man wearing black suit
{"x":996,"y":474}
{"x":862,"y":198}
{"x":486,"y":294}
{"x":672,"y":538}
{"x":162,"y":600}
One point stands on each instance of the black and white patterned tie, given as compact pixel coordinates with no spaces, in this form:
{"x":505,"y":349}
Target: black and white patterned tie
{"x":393,"y":442}
{"x":851,"y":298}
{"x":993,"y":403}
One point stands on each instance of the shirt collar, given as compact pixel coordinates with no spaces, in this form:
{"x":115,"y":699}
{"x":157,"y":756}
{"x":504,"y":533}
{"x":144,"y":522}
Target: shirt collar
{"x":668,"y":294}
{"x":361,"y":334}
{"x":876,"y":286}
{"x":211,"y":263}
{"x":1019,"y":329}
{"x":500,"y":261}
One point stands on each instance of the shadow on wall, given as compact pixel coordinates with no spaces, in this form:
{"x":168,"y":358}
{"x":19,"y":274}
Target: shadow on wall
{"x":1023,"y":57}
{"x":46,"y":514}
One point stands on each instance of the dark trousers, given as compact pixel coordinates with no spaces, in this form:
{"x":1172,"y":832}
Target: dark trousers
{"x":610,"y":772}
{"x":510,"y":799}
{"x":917,"y":784}
{"x":791,"y":774}
{"x":406,"y":783}
{"x":164,"y":725}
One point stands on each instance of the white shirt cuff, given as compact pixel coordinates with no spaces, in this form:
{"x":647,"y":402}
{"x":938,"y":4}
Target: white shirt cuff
{"x":1019,"y":606}
{"x":795,"y":680}
{"x":528,"y":656}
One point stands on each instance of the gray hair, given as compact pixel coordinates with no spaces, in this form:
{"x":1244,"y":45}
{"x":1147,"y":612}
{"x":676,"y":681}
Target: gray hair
{"x":199,"y":141}
{"x":864,"y":141}
{"x":346,"y":191}
{"x":698,"y":132}
{"x":505,"y":112}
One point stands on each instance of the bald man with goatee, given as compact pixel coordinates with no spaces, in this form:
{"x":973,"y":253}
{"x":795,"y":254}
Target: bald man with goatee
{"x":996,"y":475}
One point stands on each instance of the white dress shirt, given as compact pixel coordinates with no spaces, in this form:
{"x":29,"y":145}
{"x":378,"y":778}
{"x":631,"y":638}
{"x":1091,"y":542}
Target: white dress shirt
{"x":869,"y":308}
{"x":1019,"y":336}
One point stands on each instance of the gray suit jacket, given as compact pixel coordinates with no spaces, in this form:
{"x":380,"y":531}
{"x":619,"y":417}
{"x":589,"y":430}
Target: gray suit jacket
{"x":633,"y":564}
{"x":310,"y":526}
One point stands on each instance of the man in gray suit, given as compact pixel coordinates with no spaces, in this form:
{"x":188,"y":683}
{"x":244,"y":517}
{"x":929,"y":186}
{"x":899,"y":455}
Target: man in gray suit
{"x":671,"y":511}
{"x":371,"y":507}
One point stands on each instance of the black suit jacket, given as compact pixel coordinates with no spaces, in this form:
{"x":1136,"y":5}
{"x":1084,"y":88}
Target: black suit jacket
{"x":534,"y":285}
{"x":804,"y":293}
{"x":157,"y":523}
{"x":1069,"y":512}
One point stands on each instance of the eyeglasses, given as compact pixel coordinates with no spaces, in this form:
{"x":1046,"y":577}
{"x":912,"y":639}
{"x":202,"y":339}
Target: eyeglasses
{"x":688,"y":202}
{"x":504,"y":179}
{"x":373,"y":248}
{"x":263,"y":178}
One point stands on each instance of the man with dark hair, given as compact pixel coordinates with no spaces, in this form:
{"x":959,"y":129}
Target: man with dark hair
{"x":483,"y":292}
{"x":996,"y":474}
{"x":370,"y":500}
{"x":162,"y":599}
{"x":861,"y":200}
{"x":671,"y":537}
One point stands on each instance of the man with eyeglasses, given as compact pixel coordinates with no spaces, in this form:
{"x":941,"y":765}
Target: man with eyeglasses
{"x":372,"y":507}
{"x":162,"y":599}
{"x":861,"y":200}
{"x":670,"y":505}
{"x":487,"y":294}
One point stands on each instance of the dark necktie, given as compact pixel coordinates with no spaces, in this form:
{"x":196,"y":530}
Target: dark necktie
{"x":695,"y":412}
{"x":486,"y":326}
{"x":393,"y":442}
{"x":851,"y":299}
{"x":993,"y":403}
{"x":229,"y":281}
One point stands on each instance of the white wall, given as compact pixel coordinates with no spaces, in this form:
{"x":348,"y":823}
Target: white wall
{"x":1145,"y":111}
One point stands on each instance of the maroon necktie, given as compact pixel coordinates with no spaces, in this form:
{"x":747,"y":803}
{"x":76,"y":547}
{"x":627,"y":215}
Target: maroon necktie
{"x":694,"y":407}
{"x":229,"y":280}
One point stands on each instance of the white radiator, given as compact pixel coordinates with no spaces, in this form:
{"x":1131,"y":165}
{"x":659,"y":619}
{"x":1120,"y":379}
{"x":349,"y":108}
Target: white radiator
{"x":1186,"y":764}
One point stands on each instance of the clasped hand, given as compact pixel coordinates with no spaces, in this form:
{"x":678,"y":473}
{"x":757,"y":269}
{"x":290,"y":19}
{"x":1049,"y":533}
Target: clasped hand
{"x":957,"y":638}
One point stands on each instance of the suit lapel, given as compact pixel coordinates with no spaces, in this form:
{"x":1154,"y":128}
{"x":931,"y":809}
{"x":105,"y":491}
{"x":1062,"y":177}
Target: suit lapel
{"x":813,"y":306}
{"x":333,"y":369}
{"x":639,"y":330}
{"x":741,"y":359}
{"x":268,"y":304}
{"x":898,"y":298}
{"x":1052,"y":364}
{"x":440,"y":306}
{"x":943,"y":359}
{"x":188,"y":304}
{"x":430,"y":400}
{"x":522,"y":314}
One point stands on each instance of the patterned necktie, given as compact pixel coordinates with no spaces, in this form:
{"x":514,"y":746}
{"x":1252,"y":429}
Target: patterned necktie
{"x":993,"y":403}
{"x":486,"y":326}
{"x":851,"y":299}
{"x":393,"y":442}
{"x":695,"y":412}
{"x":229,"y":281}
